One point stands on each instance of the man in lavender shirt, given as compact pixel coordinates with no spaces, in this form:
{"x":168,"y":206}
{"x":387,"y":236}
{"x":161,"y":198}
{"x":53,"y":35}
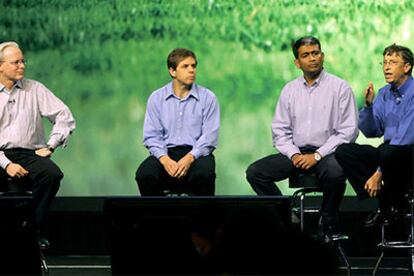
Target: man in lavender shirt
{"x":181,"y":132}
{"x":315,"y":113}
{"x":25,"y":156}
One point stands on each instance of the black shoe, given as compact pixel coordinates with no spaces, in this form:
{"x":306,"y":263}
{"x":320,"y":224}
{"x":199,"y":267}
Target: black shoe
{"x":327,"y":230}
{"x":379,"y":217}
{"x":44,"y":244}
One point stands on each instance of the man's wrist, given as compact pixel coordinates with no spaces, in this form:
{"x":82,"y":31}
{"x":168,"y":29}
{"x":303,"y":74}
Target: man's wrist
{"x":50,"y":148}
{"x":317,"y":156}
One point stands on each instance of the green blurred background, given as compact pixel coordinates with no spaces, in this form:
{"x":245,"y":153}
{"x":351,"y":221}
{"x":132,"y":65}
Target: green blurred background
{"x":104,"y":57}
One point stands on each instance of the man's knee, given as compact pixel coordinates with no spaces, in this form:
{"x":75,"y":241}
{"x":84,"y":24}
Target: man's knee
{"x":208,"y":176}
{"x":251,"y":173}
{"x":342,"y":151}
{"x":386,"y":153}
{"x":54,"y":174}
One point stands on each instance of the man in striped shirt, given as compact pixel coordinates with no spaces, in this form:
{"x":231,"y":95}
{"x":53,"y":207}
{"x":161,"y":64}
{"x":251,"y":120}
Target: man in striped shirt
{"x":24,"y":152}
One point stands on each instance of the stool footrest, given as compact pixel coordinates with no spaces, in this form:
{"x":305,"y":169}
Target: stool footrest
{"x":339,"y":237}
{"x":397,"y":244}
{"x":306,"y":210}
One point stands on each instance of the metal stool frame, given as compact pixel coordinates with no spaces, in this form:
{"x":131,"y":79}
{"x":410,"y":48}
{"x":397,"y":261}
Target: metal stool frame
{"x":16,"y":191}
{"x":307,"y":184}
{"x":408,"y":244}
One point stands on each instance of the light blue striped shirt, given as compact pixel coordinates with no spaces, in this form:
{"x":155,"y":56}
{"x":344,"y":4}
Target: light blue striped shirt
{"x":21,"y":112}
{"x":192,"y":121}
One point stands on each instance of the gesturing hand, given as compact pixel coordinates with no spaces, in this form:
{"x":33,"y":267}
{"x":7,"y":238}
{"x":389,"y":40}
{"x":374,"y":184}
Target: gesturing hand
{"x":369,"y":94}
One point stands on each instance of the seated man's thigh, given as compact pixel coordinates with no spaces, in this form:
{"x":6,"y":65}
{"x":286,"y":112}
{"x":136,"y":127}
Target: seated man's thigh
{"x":329,"y":169}
{"x":201,"y":176}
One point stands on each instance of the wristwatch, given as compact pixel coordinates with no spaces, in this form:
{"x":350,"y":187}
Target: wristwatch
{"x":317,"y":156}
{"x":50,"y":148}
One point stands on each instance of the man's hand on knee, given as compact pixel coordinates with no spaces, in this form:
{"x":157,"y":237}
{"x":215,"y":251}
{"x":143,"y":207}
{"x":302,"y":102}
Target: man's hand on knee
{"x":169,"y":165}
{"x":373,"y":184}
{"x":184,"y":165}
{"x":15,"y":170}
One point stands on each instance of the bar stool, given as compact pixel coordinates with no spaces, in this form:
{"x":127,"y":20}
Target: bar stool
{"x":15,"y":188}
{"x":407,"y":244}
{"x":307,"y":183}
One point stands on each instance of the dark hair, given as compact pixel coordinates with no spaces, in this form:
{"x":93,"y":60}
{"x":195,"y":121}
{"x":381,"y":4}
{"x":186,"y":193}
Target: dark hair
{"x":403,"y":52}
{"x":305,"y":40}
{"x":177,"y":55}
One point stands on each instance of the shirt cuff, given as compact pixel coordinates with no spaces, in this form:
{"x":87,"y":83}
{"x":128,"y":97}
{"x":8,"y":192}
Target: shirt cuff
{"x":158,"y":153}
{"x":196,"y":153}
{"x":53,"y":143}
{"x":292,"y":152}
{"x":4,"y":161}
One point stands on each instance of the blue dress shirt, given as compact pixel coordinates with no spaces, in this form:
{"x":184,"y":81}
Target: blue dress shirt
{"x":192,"y":121}
{"x":391,"y":114}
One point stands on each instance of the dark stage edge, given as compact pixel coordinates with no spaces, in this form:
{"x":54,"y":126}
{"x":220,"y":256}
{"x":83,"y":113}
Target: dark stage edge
{"x":100,"y":265}
{"x":77,"y":226}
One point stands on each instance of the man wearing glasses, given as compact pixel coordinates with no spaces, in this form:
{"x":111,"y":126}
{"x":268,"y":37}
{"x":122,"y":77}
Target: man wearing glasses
{"x":24,"y":152}
{"x":315,"y":113}
{"x":181,"y":128}
{"x":385,"y":172}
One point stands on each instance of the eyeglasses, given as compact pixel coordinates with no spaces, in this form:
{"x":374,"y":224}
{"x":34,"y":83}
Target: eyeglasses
{"x":391,"y":63}
{"x":16,"y":62}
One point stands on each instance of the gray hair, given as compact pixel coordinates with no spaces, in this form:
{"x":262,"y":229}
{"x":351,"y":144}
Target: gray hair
{"x":4,"y":45}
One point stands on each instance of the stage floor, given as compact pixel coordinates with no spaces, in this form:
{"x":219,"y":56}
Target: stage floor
{"x":100,"y":265}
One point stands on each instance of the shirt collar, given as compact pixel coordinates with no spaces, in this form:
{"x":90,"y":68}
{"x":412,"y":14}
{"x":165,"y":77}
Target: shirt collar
{"x":193,"y":92}
{"x":317,"y":81}
{"x":403,"y":87}
{"x":18,"y":84}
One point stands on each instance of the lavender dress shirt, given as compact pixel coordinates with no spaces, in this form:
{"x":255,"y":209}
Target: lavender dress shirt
{"x":323,"y":115}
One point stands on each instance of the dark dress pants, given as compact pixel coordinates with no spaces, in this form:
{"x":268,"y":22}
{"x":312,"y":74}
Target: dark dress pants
{"x":263,"y":174}
{"x":43,"y":180}
{"x":359,"y":163}
{"x":153,"y":180}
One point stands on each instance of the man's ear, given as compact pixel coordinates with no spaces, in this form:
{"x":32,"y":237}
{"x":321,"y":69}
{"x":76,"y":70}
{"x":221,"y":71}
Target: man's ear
{"x":172,"y":72}
{"x":296,"y":62}
{"x":407,"y":68}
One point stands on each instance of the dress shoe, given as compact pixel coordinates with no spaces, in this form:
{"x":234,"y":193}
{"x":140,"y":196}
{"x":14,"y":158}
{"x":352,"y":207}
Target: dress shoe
{"x":377,"y":218}
{"x":381,"y":217}
{"x":43,"y":243}
{"x":327,"y":230}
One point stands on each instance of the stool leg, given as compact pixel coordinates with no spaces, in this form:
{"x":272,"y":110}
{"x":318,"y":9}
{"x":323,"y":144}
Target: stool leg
{"x":412,"y":239}
{"x":43,"y":263}
{"x":302,"y":212}
{"x":376,"y":267}
{"x":377,"y":264}
{"x":344,"y":257}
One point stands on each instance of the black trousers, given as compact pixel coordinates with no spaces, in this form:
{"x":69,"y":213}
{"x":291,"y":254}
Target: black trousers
{"x":43,"y":180}
{"x":359,"y":163}
{"x":153,"y":180}
{"x":263,"y":174}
